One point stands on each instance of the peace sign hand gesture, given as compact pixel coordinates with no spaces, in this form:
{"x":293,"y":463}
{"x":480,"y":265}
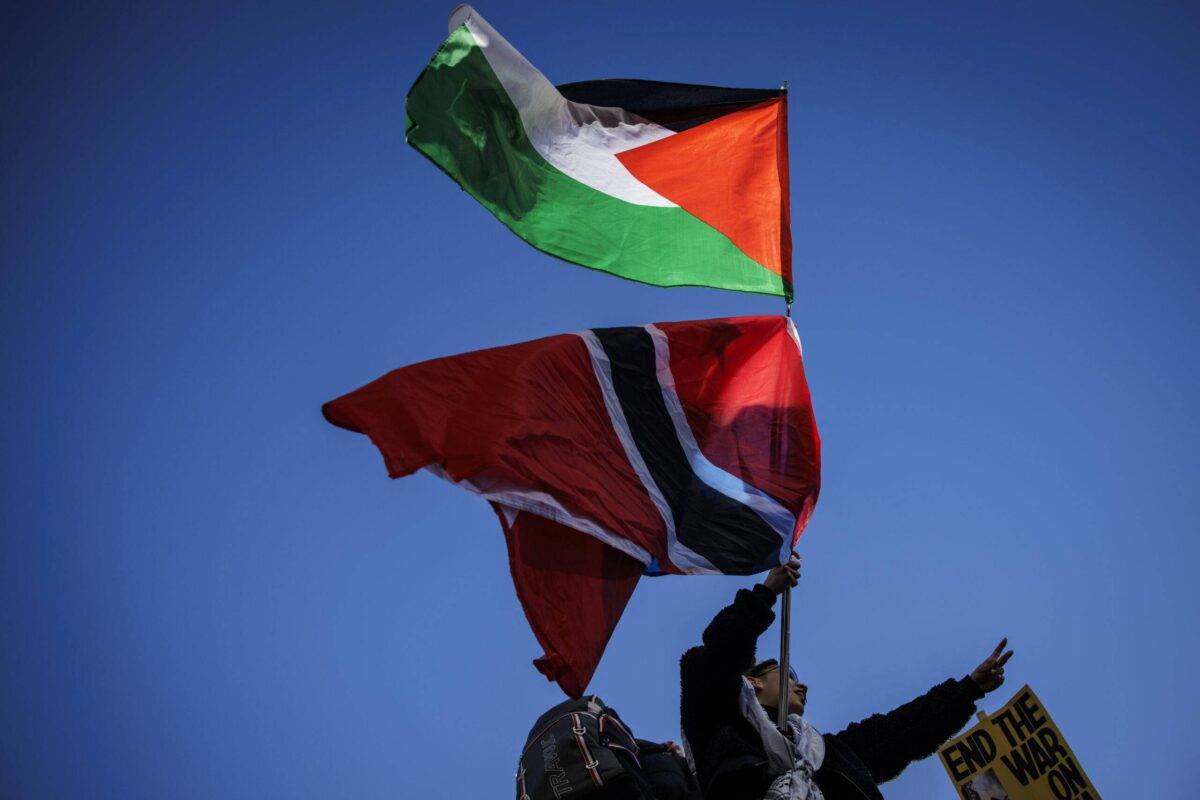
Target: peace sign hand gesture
{"x":990,"y":674}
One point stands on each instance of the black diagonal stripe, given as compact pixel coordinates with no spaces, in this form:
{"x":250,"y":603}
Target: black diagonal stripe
{"x":729,"y":534}
{"x":677,"y":106}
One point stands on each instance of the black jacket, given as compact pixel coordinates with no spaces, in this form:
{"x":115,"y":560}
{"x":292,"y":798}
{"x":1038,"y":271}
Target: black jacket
{"x":659,"y":773}
{"x":729,"y":756}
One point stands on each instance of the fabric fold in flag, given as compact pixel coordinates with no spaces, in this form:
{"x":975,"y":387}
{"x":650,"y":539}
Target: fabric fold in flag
{"x":684,"y":448}
{"x":665,"y":183}
{"x":573,"y":588}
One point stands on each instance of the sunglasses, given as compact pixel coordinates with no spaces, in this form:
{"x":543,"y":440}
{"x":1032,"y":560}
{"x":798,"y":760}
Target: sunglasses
{"x":758,"y":670}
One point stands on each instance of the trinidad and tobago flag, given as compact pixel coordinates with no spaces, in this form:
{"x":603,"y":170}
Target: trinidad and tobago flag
{"x":680,"y":447}
{"x":670,"y":184}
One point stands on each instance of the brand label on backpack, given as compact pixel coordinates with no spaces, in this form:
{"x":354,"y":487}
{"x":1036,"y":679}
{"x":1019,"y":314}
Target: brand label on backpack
{"x":557,"y":776}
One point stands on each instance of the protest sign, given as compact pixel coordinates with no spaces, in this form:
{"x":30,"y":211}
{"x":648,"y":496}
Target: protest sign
{"x":1017,"y":753}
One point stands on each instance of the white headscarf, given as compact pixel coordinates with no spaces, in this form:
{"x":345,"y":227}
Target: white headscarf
{"x":793,"y":760}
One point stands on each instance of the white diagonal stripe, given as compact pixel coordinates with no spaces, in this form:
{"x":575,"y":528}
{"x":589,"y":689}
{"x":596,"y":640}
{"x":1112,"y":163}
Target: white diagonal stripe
{"x":791,"y":329}
{"x":683,"y":557}
{"x":543,"y":505}
{"x":768,"y":508}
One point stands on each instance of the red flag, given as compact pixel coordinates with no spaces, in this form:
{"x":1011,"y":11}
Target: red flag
{"x":685,"y":447}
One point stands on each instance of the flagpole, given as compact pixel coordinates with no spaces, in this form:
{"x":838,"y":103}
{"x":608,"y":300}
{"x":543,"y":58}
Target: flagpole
{"x":787,"y":302}
{"x":785,"y":613}
{"x":785,"y":634}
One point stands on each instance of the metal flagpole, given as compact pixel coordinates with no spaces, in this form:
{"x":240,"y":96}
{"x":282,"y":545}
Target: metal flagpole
{"x":785,"y":613}
{"x":785,"y":634}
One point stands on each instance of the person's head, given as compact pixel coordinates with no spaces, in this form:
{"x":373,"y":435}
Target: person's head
{"x":764,"y":677}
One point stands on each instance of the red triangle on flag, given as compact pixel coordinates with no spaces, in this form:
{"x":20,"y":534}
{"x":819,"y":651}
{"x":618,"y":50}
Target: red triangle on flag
{"x":573,"y":588}
{"x":732,"y":174}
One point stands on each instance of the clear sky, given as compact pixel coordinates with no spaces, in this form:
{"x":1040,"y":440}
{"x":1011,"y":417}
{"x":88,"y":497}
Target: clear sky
{"x":211,"y":224}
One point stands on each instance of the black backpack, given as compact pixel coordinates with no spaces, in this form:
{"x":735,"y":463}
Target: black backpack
{"x":581,"y":748}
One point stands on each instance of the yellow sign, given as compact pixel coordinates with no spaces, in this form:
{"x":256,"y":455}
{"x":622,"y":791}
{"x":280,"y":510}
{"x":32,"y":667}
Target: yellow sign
{"x":1016,"y":753}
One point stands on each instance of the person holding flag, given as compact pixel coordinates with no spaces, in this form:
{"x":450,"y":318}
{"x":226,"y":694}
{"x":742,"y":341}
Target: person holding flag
{"x":728,"y":702}
{"x":671,"y":448}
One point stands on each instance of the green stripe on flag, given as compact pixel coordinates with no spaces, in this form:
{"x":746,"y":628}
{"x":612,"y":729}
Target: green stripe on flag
{"x":461,"y":118}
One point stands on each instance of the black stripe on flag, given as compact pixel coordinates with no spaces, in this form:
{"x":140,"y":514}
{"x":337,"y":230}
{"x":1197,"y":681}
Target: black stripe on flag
{"x":733,"y":538}
{"x":677,"y":106}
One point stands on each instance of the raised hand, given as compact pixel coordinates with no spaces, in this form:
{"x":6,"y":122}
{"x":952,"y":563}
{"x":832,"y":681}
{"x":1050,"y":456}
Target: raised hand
{"x":990,"y":674}
{"x":783,"y":576}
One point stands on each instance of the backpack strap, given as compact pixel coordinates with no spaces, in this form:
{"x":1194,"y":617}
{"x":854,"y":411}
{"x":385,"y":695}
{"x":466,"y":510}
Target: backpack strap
{"x":589,"y":763}
{"x":615,"y":736}
{"x":522,"y":793}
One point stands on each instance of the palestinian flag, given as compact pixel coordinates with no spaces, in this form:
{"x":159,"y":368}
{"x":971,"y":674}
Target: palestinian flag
{"x":666,"y":183}
{"x":684,"y":447}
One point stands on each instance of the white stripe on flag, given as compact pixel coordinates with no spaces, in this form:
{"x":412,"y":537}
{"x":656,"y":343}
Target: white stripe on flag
{"x":683,"y":557}
{"x":791,"y":328}
{"x":543,"y":505}
{"x":577,"y":139}
{"x":768,"y":508}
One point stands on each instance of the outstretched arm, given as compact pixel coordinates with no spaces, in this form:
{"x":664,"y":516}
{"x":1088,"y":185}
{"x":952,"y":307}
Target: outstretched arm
{"x":887,"y":743}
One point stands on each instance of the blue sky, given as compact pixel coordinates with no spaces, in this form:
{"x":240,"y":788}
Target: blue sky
{"x":211,"y":224}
